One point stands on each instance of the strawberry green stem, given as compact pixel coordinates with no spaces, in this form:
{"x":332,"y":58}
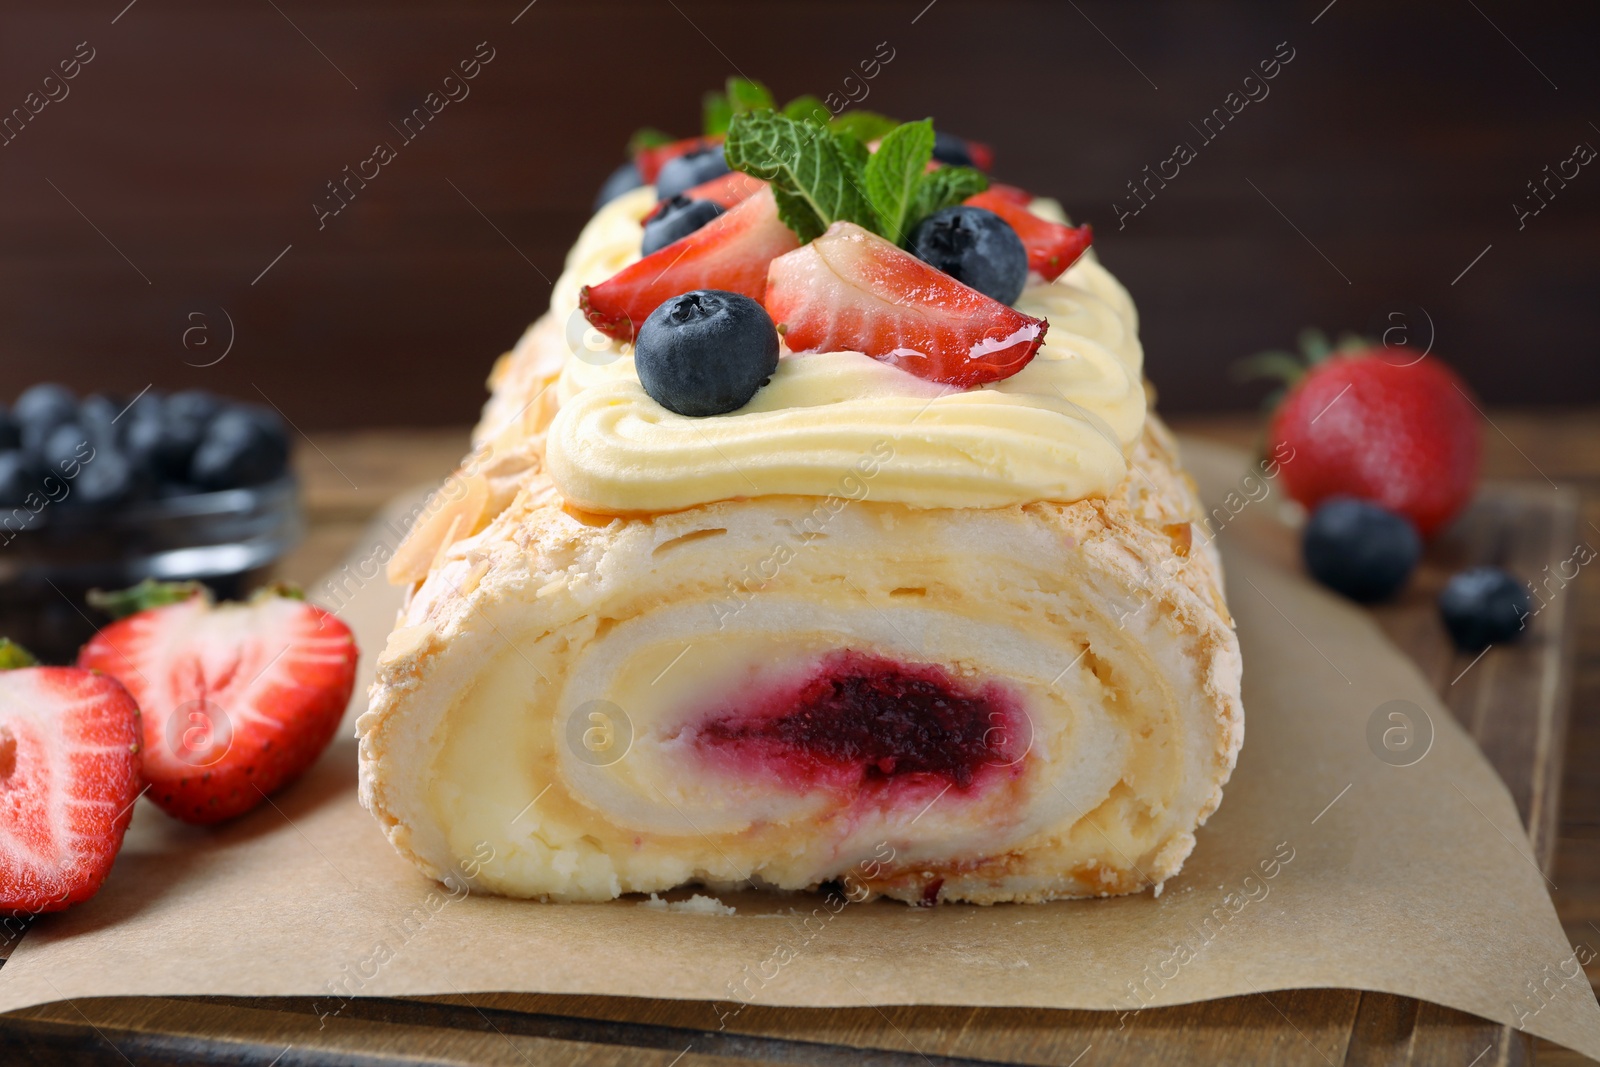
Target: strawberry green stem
{"x":144,"y":596}
{"x":283,"y":590}
{"x":14,"y":656}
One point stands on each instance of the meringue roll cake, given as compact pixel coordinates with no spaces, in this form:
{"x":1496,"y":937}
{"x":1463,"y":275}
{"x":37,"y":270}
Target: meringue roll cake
{"x":812,"y":536}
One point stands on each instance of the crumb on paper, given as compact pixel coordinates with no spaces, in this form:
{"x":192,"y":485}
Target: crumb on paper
{"x":695,"y":905}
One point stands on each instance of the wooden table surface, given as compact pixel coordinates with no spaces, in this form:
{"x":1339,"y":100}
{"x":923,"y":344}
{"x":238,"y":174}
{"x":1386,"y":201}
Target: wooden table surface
{"x":349,"y":476}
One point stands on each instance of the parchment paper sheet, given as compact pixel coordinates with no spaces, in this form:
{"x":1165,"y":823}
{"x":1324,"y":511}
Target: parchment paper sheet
{"x":1325,"y":867}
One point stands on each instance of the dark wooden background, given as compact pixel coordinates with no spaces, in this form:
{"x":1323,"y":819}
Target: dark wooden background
{"x":1388,"y":155}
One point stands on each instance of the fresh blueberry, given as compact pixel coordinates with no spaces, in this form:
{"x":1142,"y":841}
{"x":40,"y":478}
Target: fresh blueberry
{"x":1359,"y":549}
{"x":682,"y":173}
{"x":164,"y":435}
{"x":142,"y":436}
{"x":9,"y":435}
{"x":67,"y":450}
{"x":706,"y":352}
{"x":19,"y":476}
{"x":677,"y":219}
{"x":45,"y":400}
{"x":145,"y":405}
{"x":948,"y":148}
{"x":270,"y":425}
{"x":186,"y":416}
{"x":624,"y":179}
{"x":976,"y":247}
{"x":98,"y":416}
{"x":243,"y":446}
{"x":105,"y":479}
{"x":1483,"y":606}
{"x":39,"y":410}
{"x":176,"y":445}
{"x":193,"y":405}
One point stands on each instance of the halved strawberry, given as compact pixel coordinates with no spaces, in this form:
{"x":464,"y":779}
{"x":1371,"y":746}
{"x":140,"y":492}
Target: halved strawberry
{"x":731,"y":252}
{"x":731,"y":188}
{"x":649,"y":160}
{"x":69,"y":774}
{"x":1052,"y":247}
{"x":852,"y":290}
{"x":1015,"y":193}
{"x":238,"y":699}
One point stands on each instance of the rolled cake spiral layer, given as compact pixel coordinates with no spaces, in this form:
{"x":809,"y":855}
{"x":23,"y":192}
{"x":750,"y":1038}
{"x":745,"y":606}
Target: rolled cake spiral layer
{"x":1023,"y":703}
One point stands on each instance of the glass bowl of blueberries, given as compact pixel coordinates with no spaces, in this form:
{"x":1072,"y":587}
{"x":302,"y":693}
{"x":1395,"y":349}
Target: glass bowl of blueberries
{"x":105,"y":491}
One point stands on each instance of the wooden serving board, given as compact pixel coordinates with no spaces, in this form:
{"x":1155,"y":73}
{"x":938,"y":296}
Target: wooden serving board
{"x":1513,"y":700}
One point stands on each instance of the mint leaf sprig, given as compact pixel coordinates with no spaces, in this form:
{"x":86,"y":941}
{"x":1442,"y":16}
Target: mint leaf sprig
{"x":820,"y":175}
{"x":863,"y":125}
{"x":815,"y":179}
{"x":819,"y":166}
{"x":893,"y":175}
{"x":741,"y":95}
{"x":647,"y":137}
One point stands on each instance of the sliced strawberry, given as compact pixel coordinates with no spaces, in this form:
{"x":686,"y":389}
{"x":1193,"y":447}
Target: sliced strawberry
{"x":982,"y":155}
{"x":728,"y":190}
{"x":852,"y":290}
{"x":69,"y":774}
{"x":1014,"y":193}
{"x":1052,"y":247}
{"x":649,"y":160}
{"x":731,"y":252}
{"x":237,"y":699}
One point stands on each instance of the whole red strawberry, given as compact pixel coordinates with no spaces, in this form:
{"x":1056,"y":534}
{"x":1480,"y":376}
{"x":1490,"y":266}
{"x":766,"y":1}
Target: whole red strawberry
{"x":1387,"y":424}
{"x":237,"y":699}
{"x":69,"y":774}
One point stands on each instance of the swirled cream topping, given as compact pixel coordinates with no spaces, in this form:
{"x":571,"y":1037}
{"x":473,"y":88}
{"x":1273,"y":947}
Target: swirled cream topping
{"x":842,"y":423}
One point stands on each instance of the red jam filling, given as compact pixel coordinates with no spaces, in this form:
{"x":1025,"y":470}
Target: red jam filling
{"x":865,"y":720}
